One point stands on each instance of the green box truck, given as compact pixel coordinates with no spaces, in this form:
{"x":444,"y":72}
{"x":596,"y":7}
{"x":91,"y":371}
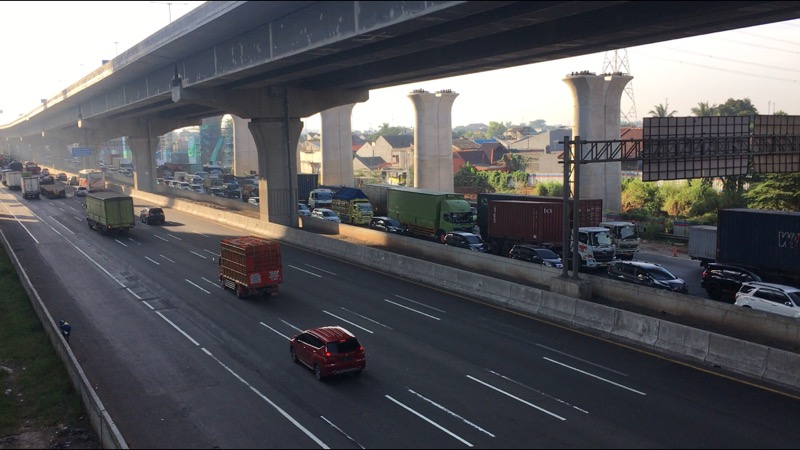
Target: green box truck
{"x":109,"y":212}
{"x":352,"y":206}
{"x":429,"y":213}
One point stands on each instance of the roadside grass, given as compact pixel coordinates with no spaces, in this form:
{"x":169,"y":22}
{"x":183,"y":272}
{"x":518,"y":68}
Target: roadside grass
{"x":37,"y":391}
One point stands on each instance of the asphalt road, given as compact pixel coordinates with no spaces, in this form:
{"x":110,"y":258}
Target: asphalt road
{"x":181,"y":363}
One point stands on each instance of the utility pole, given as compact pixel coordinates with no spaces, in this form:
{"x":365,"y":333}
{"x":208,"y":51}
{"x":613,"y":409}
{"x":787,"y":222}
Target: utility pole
{"x":169,"y":7}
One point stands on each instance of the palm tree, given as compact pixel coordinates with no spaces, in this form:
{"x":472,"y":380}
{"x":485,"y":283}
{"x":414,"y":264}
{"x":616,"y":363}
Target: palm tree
{"x":661,"y":110}
{"x":704,"y":109}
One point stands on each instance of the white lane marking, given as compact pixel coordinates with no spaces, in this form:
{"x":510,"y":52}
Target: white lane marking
{"x":178,"y":328}
{"x":302,"y":270}
{"x":159,"y":237}
{"x":209,"y":251}
{"x":516,"y":398}
{"x":149,"y":305}
{"x":275,"y":331}
{"x":290,"y":325}
{"x":166,"y":258}
{"x":594,"y":376}
{"x":134,"y":241}
{"x":197,"y":254}
{"x":198,"y":287}
{"x":342,"y":432}
{"x":411,"y":309}
{"x":271,"y":403}
{"x":430,"y":421}
{"x":215,"y":283}
{"x":64,"y":227}
{"x":622,"y":374}
{"x":366,"y":318}
{"x":421,"y":304}
{"x":345,"y":320}
{"x":120,"y":243}
{"x":152,"y":261}
{"x":174,"y":237}
{"x":80,"y":219}
{"x":537,"y":391}
{"x":451,"y":413}
{"x":321,"y":270}
{"x":20,"y":222}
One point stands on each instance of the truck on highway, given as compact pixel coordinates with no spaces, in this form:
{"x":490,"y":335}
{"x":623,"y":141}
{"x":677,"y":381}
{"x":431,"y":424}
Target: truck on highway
{"x":14,"y":180}
{"x":626,"y":238}
{"x":250,"y":265}
{"x":769,"y":240}
{"x":306,"y":182}
{"x":109,"y":212}
{"x":702,"y":244}
{"x":30,"y":187}
{"x":352,"y":206}
{"x":320,"y":198}
{"x":429,"y":213}
{"x":377,"y":193}
{"x":513,"y":222}
{"x":55,"y":190}
{"x":590,"y":211}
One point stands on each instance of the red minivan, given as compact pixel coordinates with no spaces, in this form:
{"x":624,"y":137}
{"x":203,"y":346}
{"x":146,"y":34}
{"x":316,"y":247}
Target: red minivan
{"x":328,"y":351}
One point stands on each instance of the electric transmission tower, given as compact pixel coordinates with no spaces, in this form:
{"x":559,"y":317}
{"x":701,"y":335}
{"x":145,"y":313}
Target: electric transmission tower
{"x":617,"y":62}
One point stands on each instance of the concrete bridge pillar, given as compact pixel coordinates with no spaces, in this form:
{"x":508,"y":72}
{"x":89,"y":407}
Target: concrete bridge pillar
{"x":597,"y":118}
{"x":144,"y":162}
{"x":337,"y":146}
{"x":276,"y":140}
{"x":245,"y":156}
{"x":433,"y":140}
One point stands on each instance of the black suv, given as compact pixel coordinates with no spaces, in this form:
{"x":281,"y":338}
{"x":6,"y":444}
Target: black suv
{"x":152,"y":216}
{"x":722,"y":281}
{"x":534,"y":254}
{"x":646,"y":274}
{"x":465,"y":240}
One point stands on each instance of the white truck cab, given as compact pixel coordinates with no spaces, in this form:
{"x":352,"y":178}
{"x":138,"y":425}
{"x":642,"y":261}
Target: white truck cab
{"x":626,"y":238}
{"x":320,"y":198}
{"x":595,"y":247}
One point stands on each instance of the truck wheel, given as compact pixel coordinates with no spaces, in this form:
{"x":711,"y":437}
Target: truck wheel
{"x":241,"y":291}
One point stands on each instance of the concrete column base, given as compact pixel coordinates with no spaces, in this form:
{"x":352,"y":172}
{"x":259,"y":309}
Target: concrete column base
{"x":571,"y":287}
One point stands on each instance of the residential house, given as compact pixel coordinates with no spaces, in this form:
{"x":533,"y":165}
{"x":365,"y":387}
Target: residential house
{"x":310,"y":153}
{"x":627,"y":133}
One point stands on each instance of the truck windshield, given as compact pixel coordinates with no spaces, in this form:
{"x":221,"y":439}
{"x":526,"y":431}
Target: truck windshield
{"x":461,"y":217}
{"x":364,"y":207}
{"x":628,"y":232}
{"x":324,"y":196}
{"x":596,"y":238}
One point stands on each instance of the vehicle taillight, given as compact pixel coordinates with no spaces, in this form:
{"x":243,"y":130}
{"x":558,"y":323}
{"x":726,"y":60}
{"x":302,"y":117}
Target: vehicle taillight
{"x":327,"y":354}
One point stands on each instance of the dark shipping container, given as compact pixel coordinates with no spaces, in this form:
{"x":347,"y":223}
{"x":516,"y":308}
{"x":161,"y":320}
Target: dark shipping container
{"x":590,"y":210}
{"x":767,"y":239}
{"x":525,"y":222}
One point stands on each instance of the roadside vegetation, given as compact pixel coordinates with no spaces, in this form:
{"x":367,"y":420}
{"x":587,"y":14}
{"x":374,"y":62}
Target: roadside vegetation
{"x":39,"y":408}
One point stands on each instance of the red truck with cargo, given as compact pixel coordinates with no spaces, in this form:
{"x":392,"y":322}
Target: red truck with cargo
{"x":250,"y":265}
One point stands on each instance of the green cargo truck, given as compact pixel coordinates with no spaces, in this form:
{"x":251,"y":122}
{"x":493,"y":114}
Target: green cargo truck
{"x":429,"y":213}
{"x":109,"y":212}
{"x":352,"y":206}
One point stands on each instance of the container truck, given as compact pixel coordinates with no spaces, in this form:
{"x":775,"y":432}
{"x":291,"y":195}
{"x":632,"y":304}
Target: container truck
{"x":352,"y":206}
{"x":376,"y":193}
{"x":109,"y":212}
{"x":769,"y":240}
{"x":702,"y":243}
{"x":590,"y":211}
{"x":320,"y":198}
{"x":429,"y":213}
{"x":626,"y":238}
{"x":513,"y":222}
{"x":250,"y":265}
{"x":14,"y":180}
{"x":30,"y":187}
{"x":306,"y":182}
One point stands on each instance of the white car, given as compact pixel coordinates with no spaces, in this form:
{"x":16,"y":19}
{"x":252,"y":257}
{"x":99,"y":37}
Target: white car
{"x":770,"y":297}
{"x":303,"y":210}
{"x":325,"y":214}
{"x":81,"y":191}
{"x":252,"y":200}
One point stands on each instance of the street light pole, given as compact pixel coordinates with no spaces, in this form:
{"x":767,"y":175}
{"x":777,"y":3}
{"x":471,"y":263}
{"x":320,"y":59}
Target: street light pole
{"x":169,"y":7}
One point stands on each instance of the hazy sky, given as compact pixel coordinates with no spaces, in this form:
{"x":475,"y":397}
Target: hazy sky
{"x":47,"y":46}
